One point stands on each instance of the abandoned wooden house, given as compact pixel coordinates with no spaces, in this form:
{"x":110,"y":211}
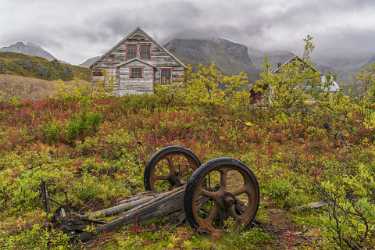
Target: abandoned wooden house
{"x":332,"y":86}
{"x":136,"y":64}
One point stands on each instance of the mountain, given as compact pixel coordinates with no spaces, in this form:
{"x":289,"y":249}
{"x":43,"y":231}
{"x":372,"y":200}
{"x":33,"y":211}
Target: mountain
{"x":369,"y":62}
{"x":37,"y":67}
{"x":30,"y":49}
{"x":89,"y":62}
{"x":274,"y":57}
{"x":346,"y":66}
{"x":229,"y":57}
{"x":280,"y":56}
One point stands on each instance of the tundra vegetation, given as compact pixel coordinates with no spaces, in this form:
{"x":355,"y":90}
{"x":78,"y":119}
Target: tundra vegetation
{"x":37,"y":67}
{"x":303,"y":143}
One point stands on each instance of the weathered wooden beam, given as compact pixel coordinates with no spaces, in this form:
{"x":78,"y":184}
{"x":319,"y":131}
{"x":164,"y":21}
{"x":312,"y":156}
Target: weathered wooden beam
{"x":124,"y":206}
{"x":162,"y":205}
{"x":137,"y":197}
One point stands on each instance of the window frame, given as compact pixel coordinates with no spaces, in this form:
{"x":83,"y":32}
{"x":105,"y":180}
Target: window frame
{"x":97,"y":73}
{"x":131,"y":76}
{"x":148,"y":46}
{"x":161,"y":76}
{"x":135,"y":53}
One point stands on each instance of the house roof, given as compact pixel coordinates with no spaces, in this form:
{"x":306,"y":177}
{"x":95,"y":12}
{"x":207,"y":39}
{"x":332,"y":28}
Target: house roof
{"x":277,"y":68}
{"x":138,"y":29}
{"x":132,"y":60}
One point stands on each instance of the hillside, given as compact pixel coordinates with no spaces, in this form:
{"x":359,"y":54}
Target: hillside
{"x":37,"y":67}
{"x":369,"y":63}
{"x":89,"y":62}
{"x":30,"y":49}
{"x":12,"y":86}
{"x":230,"y":57}
{"x":25,"y":87}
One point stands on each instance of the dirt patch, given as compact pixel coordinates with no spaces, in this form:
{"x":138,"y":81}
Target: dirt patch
{"x":288,"y":234}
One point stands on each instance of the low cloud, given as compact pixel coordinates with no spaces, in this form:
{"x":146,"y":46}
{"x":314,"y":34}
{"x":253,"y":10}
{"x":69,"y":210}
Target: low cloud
{"x":75,"y":30}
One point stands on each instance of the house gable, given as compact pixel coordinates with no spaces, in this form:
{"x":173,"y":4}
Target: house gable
{"x":291,"y":60}
{"x":142,"y":53}
{"x":118,"y":54}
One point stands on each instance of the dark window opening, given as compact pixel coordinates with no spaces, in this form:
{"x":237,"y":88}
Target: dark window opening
{"x":136,"y":73}
{"x":166,"y":76}
{"x":97,"y":72}
{"x":145,"y":51}
{"x":131,"y":51}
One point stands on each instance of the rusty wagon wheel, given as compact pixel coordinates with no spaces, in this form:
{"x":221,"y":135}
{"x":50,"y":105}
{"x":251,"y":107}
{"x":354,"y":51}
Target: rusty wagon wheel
{"x":170,"y":167}
{"x":221,"y":195}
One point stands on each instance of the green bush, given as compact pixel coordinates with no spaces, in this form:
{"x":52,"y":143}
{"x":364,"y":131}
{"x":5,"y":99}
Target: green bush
{"x":278,"y":191}
{"x":146,"y":101}
{"x":78,"y":127}
{"x":38,"y":237}
{"x":51,"y":132}
{"x":82,"y":125}
{"x":285,"y":193}
{"x":350,"y":217}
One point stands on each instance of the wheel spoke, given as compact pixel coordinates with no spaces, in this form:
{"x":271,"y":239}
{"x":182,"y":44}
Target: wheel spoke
{"x":172,"y":168}
{"x":160,"y":178}
{"x":241,"y":190}
{"x":212,"y":214}
{"x":223,"y":178}
{"x":209,"y":194}
{"x":184,"y":170}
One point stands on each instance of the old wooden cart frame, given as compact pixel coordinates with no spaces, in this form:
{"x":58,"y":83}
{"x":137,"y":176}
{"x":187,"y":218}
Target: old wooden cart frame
{"x":188,"y":190}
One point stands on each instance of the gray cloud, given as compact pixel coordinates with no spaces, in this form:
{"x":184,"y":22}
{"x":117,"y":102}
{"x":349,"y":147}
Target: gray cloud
{"x":74,"y":30}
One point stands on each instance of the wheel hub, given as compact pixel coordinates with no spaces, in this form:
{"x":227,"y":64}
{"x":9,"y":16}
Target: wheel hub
{"x":174,"y":179}
{"x":226,"y":200}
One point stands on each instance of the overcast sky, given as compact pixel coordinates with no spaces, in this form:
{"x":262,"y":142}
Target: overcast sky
{"x":73,"y":30}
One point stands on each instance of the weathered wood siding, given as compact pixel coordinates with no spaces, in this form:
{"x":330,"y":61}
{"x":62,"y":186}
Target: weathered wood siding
{"x":135,"y":86}
{"x":178,"y":74}
{"x":109,"y":78}
{"x":159,"y":58}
